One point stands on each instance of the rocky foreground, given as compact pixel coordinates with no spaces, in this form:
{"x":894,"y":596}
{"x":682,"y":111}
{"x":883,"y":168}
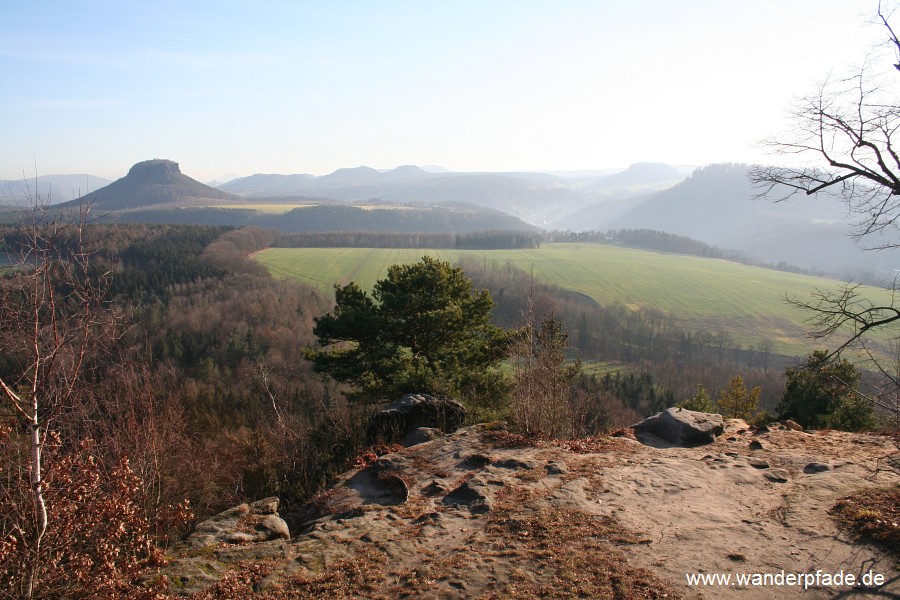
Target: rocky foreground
{"x":485,"y":513}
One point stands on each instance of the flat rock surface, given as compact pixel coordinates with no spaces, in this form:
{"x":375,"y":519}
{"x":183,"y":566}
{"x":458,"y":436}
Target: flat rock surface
{"x":481,"y":513}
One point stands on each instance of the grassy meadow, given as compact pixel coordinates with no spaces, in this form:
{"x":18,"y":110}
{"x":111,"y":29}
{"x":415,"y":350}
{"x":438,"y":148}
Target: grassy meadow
{"x":717,"y":295}
{"x":272,"y":208}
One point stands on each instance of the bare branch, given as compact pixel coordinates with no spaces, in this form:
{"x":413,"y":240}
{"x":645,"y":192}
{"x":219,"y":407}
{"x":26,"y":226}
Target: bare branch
{"x":845,"y":130}
{"x":51,"y":307}
{"x":845,"y":311}
{"x":892,"y":37}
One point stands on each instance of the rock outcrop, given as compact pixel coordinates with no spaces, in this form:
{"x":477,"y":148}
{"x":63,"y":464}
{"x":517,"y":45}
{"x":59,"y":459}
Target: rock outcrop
{"x":416,"y":411}
{"x":245,"y":523}
{"x":683,"y":427}
{"x":252,"y":531}
{"x":485,"y":513}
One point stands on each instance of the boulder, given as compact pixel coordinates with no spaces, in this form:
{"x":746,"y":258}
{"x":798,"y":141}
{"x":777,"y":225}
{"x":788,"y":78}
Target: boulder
{"x":683,"y":427}
{"x":415,"y":411}
{"x":245,"y":523}
{"x":419,"y":435}
{"x":794,"y":425}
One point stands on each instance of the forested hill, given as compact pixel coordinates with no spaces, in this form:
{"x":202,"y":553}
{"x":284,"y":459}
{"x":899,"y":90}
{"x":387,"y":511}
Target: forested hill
{"x":482,"y":240}
{"x":538,"y":198}
{"x":332,"y":217}
{"x":718,"y":206}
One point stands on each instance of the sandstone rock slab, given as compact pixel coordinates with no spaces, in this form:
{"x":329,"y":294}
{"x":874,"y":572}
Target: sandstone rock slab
{"x":415,"y":411}
{"x":683,"y":427}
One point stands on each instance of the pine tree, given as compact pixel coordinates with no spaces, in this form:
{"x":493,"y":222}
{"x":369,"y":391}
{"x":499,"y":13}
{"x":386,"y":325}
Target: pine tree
{"x":424,"y":329}
{"x":701,"y":402}
{"x":821,"y":393}
{"x":737,"y":402}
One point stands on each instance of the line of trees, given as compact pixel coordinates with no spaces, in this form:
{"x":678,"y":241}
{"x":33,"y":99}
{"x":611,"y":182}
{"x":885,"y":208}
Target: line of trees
{"x":481,"y":240}
{"x":660,"y":241}
{"x":330,"y":217}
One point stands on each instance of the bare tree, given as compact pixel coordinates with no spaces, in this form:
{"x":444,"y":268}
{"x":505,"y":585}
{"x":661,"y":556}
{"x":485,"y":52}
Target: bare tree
{"x":542,"y":383}
{"x":847,"y":312}
{"x":51,"y":310}
{"x":853,"y":317}
{"x":846,"y":132}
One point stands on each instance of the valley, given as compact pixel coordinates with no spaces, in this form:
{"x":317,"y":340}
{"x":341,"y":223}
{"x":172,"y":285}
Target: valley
{"x":698,"y":293}
{"x":495,"y":300}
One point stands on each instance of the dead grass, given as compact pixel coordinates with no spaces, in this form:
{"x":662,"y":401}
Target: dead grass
{"x":591,"y":445}
{"x":373,"y":453}
{"x":533,"y":551}
{"x":357,"y":577}
{"x":523,"y":548}
{"x":873,"y":514}
{"x":508,"y":439}
{"x":575,"y":554}
{"x":598,"y":445}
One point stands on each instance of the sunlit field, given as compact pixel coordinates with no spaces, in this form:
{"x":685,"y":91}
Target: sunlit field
{"x":747,"y":302}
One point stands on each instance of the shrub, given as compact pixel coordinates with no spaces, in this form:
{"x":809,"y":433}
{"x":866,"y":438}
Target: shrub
{"x":821,"y":393}
{"x":701,"y":402}
{"x":737,"y":402}
{"x":98,"y":539}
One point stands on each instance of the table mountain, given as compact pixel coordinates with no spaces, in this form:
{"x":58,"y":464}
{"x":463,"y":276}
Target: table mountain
{"x":151,"y":183}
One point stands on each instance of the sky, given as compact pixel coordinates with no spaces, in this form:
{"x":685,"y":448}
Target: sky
{"x":237,"y":88}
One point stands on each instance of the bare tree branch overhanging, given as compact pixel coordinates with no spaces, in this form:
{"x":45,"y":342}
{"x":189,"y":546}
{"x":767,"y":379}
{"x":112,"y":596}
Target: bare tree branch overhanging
{"x":844,"y":144}
{"x":846,"y":134}
{"x":847,"y":312}
{"x":848,"y":131}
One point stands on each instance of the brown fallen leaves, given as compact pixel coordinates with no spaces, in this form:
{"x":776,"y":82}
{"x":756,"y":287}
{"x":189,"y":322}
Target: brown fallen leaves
{"x":873,"y":514}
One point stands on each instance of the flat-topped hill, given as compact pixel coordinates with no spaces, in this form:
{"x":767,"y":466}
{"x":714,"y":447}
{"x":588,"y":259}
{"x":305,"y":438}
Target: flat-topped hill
{"x":151,"y":183}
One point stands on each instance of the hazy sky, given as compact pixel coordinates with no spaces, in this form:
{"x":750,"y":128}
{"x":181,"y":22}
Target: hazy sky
{"x":309,"y":87}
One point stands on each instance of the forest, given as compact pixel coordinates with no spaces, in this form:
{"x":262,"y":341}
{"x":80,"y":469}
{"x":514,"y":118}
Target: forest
{"x":164,"y":376}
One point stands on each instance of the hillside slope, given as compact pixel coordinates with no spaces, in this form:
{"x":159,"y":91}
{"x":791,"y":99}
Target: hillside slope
{"x":715,"y":205}
{"x":333,"y":218}
{"x":699,"y":293}
{"x":537,"y":198}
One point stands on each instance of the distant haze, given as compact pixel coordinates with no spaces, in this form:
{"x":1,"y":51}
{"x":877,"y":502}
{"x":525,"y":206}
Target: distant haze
{"x":714,"y":205}
{"x":49,"y":188}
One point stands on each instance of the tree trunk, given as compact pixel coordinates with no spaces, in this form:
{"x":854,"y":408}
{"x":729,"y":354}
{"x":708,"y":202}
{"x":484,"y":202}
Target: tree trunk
{"x":37,"y":497}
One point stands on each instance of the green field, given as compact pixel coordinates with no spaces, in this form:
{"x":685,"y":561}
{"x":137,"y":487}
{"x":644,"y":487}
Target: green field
{"x":717,"y":295}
